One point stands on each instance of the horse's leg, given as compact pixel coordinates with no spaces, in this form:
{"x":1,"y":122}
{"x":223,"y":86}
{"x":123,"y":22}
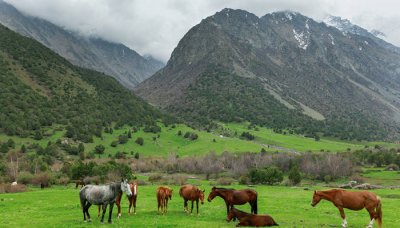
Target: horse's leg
{"x":134,"y":204}
{"x":130,"y":205}
{"x":197,"y":206}
{"x":371,"y":212}
{"x":344,"y":223}
{"x":84,"y":210}
{"x":191,"y":211}
{"x":110,"y":212}
{"x":104,"y":211}
{"x":166,"y":205}
{"x":87,"y":210}
{"x":185,"y":205}
{"x":118,"y":203}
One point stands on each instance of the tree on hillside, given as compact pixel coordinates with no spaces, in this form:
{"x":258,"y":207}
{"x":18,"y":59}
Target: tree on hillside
{"x":81,"y":148}
{"x":99,"y":149}
{"x":140,"y":141}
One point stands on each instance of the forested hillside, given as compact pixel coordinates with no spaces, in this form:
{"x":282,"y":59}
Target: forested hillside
{"x":39,"y":88}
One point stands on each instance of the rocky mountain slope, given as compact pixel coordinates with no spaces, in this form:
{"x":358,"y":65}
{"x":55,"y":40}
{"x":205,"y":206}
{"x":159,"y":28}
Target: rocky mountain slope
{"x":39,"y":89}
{"x":117,"y":60}
{"x":282,"y":70}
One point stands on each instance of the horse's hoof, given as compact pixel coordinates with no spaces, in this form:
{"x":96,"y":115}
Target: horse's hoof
{"x":109,"y":222}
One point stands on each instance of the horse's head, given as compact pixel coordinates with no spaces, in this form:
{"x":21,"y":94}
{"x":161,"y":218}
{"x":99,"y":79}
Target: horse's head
{"x":125,"y":187}
{"x":170,"y":194}
{"x":231,"y":215}
{"x":201,"y":195}
{"x":316,"y":198}
{"x":212,"y":194}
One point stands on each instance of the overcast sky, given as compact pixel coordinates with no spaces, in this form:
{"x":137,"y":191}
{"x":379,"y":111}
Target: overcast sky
{"x":154,"y":27}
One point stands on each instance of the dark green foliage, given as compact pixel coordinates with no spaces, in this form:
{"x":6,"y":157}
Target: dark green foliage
{"x":39,"y":88}
{"x":247,"y":135}
{"x":179,"y":133}
{"x":269,"y":175}
{"x":23,"y":148}
{"x":136,"y":155}
{"x":99,"y":149}
{"x":38,"y":135}
{"x":139,"y":141}
{"x":190,"y":135}
{"x":4,"y":148}
{"x":120,"y":155}
{"x":122,"y":139}
{"x":81,"y":148}
{"x":11,"y":143}
{"x":129,"y":134}
{"x":152,"y":129}
{"x":294,"y":175}
{"x":114,"y":143}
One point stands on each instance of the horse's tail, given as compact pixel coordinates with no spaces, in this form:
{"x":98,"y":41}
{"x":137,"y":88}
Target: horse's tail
{"x":378,"y":209}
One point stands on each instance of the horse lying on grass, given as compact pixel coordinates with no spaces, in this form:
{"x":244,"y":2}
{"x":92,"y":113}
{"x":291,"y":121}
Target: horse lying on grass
{"x":246,"y":219}
{"x":353,"y":201}
{"x":102,"y":195}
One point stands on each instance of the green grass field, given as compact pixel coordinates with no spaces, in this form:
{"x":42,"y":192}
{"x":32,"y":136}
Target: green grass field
{"x":170,"y":142}
{"x":290,"y":207}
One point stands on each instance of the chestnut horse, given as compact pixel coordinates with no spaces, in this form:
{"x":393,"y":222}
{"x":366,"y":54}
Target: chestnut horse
{"x":235,"y":197}
{"x":353,"y":201}
{"x":246,"y":219}
{"x":163,"y":194}
{"x":132,"y":200}
{"x":192,"y":193}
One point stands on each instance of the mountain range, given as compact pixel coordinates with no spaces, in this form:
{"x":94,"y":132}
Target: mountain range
{"x":114,"y":59}
{"x":285,"y":71}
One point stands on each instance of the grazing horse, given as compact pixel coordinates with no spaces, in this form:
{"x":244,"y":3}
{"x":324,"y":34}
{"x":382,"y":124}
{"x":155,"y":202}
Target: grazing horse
{"x":353,"y":201}
{"x":102,"y":195}
{"x":235,"y":197}
{"x":132,"y":200}
{"x":192,"y":193}
{"x":79,"y":182}
{"x":163,"y":194}
{"x":246,"y":219}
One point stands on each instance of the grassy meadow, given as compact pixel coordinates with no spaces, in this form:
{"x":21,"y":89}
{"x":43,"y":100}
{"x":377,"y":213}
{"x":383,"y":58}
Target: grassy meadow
{"x":289,"y":206}
{"x":168,"y":141}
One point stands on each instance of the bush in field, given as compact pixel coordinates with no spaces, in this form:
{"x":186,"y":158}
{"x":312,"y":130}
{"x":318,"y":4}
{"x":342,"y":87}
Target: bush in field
{"x":244,"y":180}
{"x":269,"y":175}
{"x":8,"y":188}
{"x":294,"y":176}
{"x":155,"y":178}
{"x":225,"y":181}
{"x":99,"y":149}
{"x":25,"y":178}
{"x":114,"y":143}
{"x":140,"y":141}
{"x":42,"y":179}
{"x":122,"y":139}
{"x":392,"y":167}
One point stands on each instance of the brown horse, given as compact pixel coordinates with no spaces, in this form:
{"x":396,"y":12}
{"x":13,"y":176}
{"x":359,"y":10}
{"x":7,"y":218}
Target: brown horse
{"x":235,"y":197}
{"x":353,"y":201}
{"x":246,"y":219}
{"x":163,"y":194}
{"x":132,"y":200}
{"x":192,"y":193}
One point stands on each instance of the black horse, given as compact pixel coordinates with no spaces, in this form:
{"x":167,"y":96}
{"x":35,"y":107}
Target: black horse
{"x":102,"y":195}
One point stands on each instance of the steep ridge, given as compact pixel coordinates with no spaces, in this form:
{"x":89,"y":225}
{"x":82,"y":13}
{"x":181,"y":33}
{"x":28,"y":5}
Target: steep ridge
{"x":316,"y":77}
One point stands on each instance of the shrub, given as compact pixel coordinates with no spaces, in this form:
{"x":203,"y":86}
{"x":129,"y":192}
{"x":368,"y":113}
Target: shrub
{"x":155,"y":178}
{"x":269,"y":175}
{"x":247,"y":135}
{"x":99,"y":149}
{"x":122,"y":139}
{"x":142,"y":182}
{"x":179,"y":179}
{"x":8,"y":188}
{"x":244,"y":180}
{"x":114,"y":143}
{"x":225,"y":181}
{"x":140,"y":141}
{"x":25,"y":178}
{"x":63,"y":181}
{"x":42,"y":179}
{"x":294,"y":176}
{"x":392,"y":167}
